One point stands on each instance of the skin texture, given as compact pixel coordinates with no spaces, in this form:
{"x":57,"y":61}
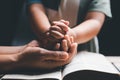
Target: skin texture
{"x":36,"y":54}
{"x":57,"y":31}
{"x":66,"y":40}
{"x":81,"y":33}
{"x":33,"y":56}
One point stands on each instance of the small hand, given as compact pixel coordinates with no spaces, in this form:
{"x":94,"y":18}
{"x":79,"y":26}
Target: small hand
{"x":66,"y":43}
{"x":56,"y":33}
{"x":59,"y":29}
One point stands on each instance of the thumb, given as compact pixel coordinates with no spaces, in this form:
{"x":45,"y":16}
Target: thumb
{"x":33,"y":43}
{"x":65,"y":22}
{"x":73,"y":50}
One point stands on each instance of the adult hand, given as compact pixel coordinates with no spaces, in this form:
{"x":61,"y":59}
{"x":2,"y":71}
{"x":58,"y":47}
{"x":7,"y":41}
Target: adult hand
{"x":72,"y":50}
{"x":69,"y":46}
{"x":33,"y":56}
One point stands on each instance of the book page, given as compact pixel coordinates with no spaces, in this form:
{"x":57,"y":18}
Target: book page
{"x":54,"y":75}
{"x":89,"y":61}
{"x":115,"y":60}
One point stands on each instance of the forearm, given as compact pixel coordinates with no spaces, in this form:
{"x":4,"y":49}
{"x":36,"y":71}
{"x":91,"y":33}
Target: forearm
{"x":86,"y":31}
{"x":89,"y":28}
{"x":7,"y":62}
{"x":4,"y":50}
{"x":39,"y":20}
{"x":8,"y":58}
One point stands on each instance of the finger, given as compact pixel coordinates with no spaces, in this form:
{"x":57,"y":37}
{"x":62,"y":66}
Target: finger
{"x":33,"y":43}
{"x":61,"y":25}
{"x":65,"y":22}
{"x":56,"y":34}
{"x":57,"y":46}
{"x":68,"y":40}
{"x":64,"y":45}
{"x":49,"y":37}
{"x":47,"y":33}
{"x":55,"y":55}
{"x":56,"y":28}
{"x":71,"y":39}
{"x":52,"y":55}
{"x":57,"y":62}
{"x":72,"y":50}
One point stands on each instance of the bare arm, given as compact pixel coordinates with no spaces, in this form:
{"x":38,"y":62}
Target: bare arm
{"x":40,"y":23}
{"x":6,"y":50}
{"x":32,"y":56}
{"x":8,"y":57}
{"x":85,"y":31}
{"x":89,"y":28}
{"x":38,"y":18}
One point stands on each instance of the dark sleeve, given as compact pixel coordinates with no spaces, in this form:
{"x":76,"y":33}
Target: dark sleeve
{"x":101,"y":6}
{"x":28,"y":2}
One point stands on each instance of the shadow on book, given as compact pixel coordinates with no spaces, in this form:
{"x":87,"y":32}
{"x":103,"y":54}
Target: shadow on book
{"x":91,"y":75}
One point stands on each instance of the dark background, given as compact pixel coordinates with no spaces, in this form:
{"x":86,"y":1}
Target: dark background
{"x":108,"y":37}
{"x":9,"y":11}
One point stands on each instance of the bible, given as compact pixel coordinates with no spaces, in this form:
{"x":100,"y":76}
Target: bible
{"x":84,"y":66}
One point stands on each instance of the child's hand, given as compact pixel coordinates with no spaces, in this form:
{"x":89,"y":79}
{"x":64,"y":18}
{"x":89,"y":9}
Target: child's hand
{"x":59,"y":29}
{"x":57,"y":33}
{"x":65,"y":44}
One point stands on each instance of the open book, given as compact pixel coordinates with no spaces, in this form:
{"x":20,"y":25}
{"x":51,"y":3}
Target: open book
{"x":84,"y":66}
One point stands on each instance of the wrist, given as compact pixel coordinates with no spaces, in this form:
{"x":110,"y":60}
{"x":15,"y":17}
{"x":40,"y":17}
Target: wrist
{"x":8,"y":58}
{"x":71,"y":33}
{"x":15,"y":58}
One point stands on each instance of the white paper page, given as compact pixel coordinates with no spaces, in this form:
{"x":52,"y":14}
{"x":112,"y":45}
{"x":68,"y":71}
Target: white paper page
{"x":90,"y":61}
{"x":53,"y":75}
{"x":115,"y":60}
